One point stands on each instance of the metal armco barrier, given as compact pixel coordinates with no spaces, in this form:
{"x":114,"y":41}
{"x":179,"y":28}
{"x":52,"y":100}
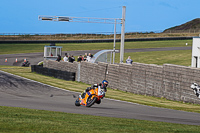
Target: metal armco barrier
{"x":69,"y":76}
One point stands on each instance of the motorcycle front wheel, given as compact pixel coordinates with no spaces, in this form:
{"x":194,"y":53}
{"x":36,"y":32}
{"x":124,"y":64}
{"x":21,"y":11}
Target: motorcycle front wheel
{"x":90,"y":101}
{"x":77,"y":102}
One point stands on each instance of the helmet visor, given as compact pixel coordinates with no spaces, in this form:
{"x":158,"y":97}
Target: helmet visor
{"x":105,"y":84}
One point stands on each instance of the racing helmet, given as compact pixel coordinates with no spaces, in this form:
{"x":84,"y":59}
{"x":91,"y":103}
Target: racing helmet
{"x":105,"y":83}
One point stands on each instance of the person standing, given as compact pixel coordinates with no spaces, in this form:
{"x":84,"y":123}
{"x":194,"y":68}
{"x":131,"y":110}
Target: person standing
{"x":72,"y":59}
{"x":80,"y":58}
{"x":129,"y":60}
{"x":65,"y":58}
{"x":58,"y":58}
{"x":89,"y":57}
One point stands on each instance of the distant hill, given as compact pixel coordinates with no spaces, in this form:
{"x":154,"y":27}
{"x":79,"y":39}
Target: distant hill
{"x":191,"y":25}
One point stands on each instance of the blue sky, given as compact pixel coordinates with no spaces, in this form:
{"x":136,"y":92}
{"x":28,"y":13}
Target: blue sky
{"x":21,"y":16}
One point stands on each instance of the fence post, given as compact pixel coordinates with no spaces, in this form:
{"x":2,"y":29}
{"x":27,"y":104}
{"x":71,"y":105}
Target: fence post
{"x":78,"y":72}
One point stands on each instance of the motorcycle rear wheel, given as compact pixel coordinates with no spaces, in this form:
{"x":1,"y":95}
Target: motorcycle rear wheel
{"x":90,"y":101}
{"x":98,"y":102}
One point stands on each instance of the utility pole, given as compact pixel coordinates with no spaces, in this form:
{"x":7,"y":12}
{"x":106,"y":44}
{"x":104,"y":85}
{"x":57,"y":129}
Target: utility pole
{"x":122,"y":35}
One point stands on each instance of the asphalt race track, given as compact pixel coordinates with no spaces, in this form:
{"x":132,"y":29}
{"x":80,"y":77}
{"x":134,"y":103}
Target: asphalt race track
{"x":34,"y":58}
{"x":16,"y":91}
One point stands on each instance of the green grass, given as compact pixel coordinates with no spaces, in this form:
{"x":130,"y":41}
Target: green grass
{"x":29,"y":120}
{"x":33,"y":48}
{"x":178,"y":57}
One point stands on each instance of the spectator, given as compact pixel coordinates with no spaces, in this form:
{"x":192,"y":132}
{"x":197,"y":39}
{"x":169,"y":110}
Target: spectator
{"x":65,"y":58}
{"x":58,"y":58}
{"x":85,"y":58}
{"x":80,"y":58}
{"x":71,"y":59}
{"x":129,"y":60}
{"x":90,"y":55}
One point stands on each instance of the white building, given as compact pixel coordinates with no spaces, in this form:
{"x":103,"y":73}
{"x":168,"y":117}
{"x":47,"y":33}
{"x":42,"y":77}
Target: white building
{"x":51,"y":52}
{"x":196,"y":52}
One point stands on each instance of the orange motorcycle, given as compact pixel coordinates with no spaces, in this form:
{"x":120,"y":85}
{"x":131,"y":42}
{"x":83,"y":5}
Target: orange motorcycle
{"x":91,"y":97}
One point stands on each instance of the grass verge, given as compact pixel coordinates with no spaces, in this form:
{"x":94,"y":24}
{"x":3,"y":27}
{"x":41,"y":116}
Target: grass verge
{"x":177,"y":57}
{"x":33,"y":48}
{"x":30,"y":120}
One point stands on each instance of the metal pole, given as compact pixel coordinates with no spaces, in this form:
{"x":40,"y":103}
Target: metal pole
{"x":78,"y":73}
{"x":110,"y":57}
{"x":114,"y":43}
{"x":122,"y":35}
{"x":106,"y":58}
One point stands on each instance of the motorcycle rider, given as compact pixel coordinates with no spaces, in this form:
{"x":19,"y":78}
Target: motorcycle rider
{"x":103,"y":85}
{"x":196,"y":89}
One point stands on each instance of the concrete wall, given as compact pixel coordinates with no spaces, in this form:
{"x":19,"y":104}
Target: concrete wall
{"x":168,"y":81}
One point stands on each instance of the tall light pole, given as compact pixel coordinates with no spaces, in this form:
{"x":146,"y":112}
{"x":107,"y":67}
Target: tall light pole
{"x":114,"y":42}
{"x":122,"y":35}
{"x":95,"y":20}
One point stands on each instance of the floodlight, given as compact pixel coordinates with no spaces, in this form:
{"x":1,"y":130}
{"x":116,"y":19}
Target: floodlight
{"x":63,"y":18}
{"x":97,"y":20}
{"x":46,"y":18}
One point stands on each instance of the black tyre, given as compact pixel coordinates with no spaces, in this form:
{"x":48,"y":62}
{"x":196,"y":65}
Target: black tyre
{"x":90,"y":101}
{"x":77,"y":103}
{"x":98,"y":102}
